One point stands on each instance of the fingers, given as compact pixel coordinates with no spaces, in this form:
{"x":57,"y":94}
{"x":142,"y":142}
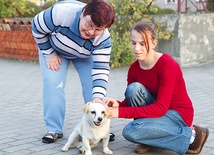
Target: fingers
{"x":98,"y":100}
{"x":54,"y":62}
{"x":110,"y":102}
{"x":107,"y":100}
{"x":55,"y":66}
{"x":113,"y":112}
{"x":59,"y":60}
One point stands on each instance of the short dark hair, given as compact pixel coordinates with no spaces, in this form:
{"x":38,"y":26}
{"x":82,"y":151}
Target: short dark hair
{"x":101,"y":12}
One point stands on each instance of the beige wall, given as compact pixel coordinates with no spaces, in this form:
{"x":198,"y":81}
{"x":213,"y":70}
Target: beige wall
{"x":193,"y":40}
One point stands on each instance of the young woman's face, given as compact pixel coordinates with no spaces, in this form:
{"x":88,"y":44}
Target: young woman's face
{"x":138,"y":45}
{"x":88,"y":29}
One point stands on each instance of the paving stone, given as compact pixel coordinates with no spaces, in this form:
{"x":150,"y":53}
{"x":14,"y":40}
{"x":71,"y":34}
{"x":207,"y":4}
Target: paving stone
{"x":21,"y":115}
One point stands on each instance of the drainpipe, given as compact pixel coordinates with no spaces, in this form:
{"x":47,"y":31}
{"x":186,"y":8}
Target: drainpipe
{"x":179,"y":6}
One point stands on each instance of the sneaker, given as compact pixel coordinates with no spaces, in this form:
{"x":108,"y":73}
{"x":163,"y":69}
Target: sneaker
{"x":200,"y":139}
{"x":112,"y":137}
{"x":51,"y":137}
{"x":142,"y":148}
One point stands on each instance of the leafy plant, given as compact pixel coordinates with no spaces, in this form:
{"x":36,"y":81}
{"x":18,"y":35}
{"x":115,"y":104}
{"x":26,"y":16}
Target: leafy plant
{"x":84,"y":1}
{"x":34,"y":9}
{"x":128,"y":12}
{"x":12,"y":8}
{"x":166,"y":11}
{"x":210,"y":5}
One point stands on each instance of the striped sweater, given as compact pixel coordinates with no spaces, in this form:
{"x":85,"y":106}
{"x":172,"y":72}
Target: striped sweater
{"x":56,"y":31}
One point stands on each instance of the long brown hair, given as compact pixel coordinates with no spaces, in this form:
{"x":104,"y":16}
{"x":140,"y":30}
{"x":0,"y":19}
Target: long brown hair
{"x":147,"y":30}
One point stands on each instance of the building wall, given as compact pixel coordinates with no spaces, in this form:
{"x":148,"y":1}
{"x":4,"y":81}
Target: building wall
{"x":189,"y":5}
{"x":193,"y":40}
{"x":196,"y":33}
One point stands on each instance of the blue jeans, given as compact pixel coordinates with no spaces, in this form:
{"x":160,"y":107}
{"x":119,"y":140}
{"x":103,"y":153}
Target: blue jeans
{"x":54,"y":103}
{"x":168,"y":132}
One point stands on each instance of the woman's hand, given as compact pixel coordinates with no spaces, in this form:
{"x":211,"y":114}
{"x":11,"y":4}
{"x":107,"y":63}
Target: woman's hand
{"x":98,"y":100}
{"x":54,"y":62}
{"x":111,"y":102}
{"x":112,"y":107}
{"x":113,"y":112}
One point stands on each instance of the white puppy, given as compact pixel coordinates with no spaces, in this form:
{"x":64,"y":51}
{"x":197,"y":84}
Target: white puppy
{"x":93,"y":127}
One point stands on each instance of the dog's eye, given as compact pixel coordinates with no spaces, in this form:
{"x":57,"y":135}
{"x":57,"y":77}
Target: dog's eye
{"x":103,"y":112}
{"x":93,"y":112}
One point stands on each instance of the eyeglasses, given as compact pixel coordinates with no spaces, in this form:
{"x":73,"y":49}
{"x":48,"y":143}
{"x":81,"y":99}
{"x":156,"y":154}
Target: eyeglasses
{"x":89,"y":26}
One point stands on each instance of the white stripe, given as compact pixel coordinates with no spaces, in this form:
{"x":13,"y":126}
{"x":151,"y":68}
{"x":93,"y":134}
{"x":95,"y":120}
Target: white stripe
{"x":103,"y":51}
{"x":100,"y":77}
{"x":99,"y":89}
{"x":39,"y":41}
{"x":69,"y":43}
{"x":101,"y":58}
{"x":100,"y":71}
{"x":42,"y":23}
{"x":37,"y":35}
{"x":37,"y":22}
{"x":72,"y":44}
{"x":48,"y":51}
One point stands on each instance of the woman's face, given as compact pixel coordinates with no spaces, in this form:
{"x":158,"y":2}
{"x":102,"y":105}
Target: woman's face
{"x":88,"y":29}
{"x":138,"y":45}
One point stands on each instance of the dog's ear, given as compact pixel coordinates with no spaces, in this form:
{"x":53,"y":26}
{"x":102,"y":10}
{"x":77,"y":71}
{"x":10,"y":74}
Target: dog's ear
{"x":85,"y":107}
{"x":107,"y":112}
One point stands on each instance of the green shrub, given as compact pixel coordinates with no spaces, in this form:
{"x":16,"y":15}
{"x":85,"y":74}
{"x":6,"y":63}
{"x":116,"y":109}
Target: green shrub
{"x":33,"y":9}
{"x":166,"y":11}
{"x":128,"y":12}
{"x":84,"y":1}
{"x":210,"y":5}
{"x":48,"y":4}
{"x":12,"y":8}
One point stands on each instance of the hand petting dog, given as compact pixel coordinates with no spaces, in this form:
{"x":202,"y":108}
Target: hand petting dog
{"x":112,"y":107}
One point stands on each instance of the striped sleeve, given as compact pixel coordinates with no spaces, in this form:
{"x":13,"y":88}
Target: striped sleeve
{"x":101,"y":68}
{"x":42,"y":26}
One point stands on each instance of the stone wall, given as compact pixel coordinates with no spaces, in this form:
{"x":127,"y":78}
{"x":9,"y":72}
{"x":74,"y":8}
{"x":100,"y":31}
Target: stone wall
{"x":193,"y":40}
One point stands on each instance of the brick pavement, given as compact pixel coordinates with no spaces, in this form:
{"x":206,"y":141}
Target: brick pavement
{"x":21,"y":120}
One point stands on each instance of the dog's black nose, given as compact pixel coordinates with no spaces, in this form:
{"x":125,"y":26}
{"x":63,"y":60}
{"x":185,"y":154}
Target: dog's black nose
{"x":100,"y":119}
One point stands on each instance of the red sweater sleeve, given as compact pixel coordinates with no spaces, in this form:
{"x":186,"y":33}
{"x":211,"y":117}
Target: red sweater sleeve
{"x":165,"y":81}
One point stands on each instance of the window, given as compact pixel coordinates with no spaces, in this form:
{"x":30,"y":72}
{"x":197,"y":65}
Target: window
{"x":171,"y":1}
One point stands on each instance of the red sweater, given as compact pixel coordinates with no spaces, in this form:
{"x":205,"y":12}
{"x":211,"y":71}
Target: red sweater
{"x":164,"y":81}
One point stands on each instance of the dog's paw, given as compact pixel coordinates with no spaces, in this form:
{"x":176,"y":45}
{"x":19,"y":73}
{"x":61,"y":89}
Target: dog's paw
{"x":79,"y":145}
{"x":81,"y":150}
{"x":65,"y":148}
{"x":108,"y":151}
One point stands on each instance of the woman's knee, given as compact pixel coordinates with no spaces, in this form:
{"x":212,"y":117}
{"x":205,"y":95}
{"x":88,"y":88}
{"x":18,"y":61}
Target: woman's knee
{"x":133,"y":89}
{"x":140,"y":130}
{"x":131,"y":132}
{"x":127,"y":133}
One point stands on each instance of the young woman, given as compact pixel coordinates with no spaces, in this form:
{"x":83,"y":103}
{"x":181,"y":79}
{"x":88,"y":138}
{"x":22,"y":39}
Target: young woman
{"x":157,"y":99}
{"x":78,"y":33}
